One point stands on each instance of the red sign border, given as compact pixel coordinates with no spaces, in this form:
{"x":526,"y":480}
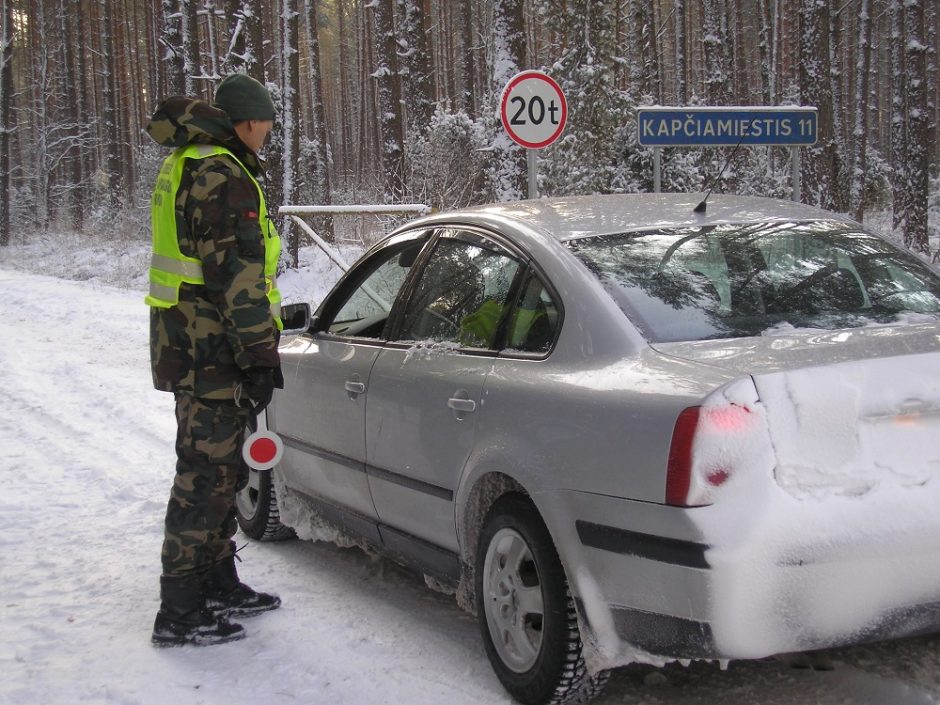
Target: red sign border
{"x":518,"y":78}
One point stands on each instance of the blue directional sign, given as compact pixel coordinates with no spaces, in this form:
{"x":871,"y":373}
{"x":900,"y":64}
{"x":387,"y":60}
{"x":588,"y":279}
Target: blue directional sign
{"x":724,"y":126}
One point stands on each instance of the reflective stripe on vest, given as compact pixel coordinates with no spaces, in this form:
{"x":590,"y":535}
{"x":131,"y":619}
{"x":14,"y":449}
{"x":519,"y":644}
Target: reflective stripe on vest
{"x":169,"y":268}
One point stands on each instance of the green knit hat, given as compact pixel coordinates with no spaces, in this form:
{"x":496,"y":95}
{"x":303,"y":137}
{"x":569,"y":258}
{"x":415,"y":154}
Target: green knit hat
{"x":243,"y":98}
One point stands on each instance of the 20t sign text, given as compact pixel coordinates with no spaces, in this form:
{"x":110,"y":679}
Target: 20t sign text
{"x":533,"y":109}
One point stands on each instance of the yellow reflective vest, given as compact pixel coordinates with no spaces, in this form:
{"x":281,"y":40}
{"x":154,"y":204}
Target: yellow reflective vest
{"x":169,"y":267}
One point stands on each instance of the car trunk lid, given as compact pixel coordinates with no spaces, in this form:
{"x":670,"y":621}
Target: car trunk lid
{"x":869,"y":415}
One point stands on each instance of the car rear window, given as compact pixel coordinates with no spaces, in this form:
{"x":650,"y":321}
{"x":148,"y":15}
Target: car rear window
{"x":729,"y":281}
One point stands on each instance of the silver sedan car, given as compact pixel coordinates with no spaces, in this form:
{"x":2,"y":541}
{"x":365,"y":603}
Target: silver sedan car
{"x":622,"y":430}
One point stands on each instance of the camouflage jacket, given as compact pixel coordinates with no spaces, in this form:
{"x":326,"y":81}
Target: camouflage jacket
{"x":219,"y":329}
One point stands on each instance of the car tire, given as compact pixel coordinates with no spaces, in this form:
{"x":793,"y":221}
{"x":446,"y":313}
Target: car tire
{"x":256,"y":509}
{"x":526,"y":613}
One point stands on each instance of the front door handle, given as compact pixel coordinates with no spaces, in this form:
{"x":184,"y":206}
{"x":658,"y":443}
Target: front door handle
{"x":467,"y":406}
{"x":355,"y":388}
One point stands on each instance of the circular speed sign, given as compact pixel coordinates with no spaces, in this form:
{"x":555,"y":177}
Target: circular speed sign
{"x":533,"y":109}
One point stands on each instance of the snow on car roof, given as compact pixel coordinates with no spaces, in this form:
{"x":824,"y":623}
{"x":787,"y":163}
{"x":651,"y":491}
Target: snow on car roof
{"x":581,"y":216}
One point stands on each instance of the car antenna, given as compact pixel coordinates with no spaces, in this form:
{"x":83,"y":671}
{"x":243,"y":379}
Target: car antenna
{"x":700,"y":208}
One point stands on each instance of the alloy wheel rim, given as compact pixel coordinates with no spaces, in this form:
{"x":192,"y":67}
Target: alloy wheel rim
{"x":513,"y":600}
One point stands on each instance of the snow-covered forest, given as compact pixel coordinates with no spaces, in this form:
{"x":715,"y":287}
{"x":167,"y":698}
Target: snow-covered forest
{"x":396,"y":100}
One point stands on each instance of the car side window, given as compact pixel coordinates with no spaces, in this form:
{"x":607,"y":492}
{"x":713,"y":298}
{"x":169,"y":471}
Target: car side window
{"x":363,"y":309}
{"x":534,"y":320}
{"x":462,"y":294}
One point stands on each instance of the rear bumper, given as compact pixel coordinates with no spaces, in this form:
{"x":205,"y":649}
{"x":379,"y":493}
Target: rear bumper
{"x":662,"y":635}
{"x":679,"y":638}
{"x":652,"y":581}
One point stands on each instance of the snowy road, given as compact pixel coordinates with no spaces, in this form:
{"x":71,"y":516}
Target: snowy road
{"x":86,"y":455}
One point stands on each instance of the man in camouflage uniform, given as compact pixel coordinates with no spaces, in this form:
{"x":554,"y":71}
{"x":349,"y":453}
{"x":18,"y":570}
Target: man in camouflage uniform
{"x":213,"y":337}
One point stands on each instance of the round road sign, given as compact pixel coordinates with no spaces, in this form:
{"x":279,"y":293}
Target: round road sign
{"x":533,"y":109}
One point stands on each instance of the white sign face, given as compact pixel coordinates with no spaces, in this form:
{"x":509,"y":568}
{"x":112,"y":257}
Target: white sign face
{"x":263,"y":450}
{"x":533,"y":109}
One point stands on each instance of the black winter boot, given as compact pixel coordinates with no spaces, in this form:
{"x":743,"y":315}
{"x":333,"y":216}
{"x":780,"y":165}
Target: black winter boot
{"x":227,"y":596}
{"x":184,"y":619}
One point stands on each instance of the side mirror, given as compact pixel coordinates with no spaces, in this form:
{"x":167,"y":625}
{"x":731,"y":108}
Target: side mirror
{"x":296,"y":318}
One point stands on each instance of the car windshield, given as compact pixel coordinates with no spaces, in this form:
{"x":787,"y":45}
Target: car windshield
{"x":728,"y":281}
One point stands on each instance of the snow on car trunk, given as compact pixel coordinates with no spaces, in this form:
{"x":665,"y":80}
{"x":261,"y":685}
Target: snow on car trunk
{"x":846,"y":428}
{"x":836,"y":538}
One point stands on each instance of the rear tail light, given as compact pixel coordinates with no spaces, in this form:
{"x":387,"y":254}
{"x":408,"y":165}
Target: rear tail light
{"x":679,"y":470}
{"x":712,"y":446}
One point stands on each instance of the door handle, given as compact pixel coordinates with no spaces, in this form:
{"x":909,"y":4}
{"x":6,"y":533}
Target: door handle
{"x":355,"y":387}
{"x":466,"y":406}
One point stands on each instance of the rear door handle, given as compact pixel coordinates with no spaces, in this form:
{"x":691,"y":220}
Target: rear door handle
{"x":466,"y":406}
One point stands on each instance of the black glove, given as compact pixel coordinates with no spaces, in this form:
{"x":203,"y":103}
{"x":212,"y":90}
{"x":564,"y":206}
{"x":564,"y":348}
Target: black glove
{"x":258,"y":386}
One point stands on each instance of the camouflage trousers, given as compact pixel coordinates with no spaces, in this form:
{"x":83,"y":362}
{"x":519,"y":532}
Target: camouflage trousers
{"x":200,"y":516}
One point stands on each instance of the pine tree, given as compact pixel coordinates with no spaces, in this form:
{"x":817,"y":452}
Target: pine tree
{"x":586,"y":157}
{"x":244,"y":52}
{"x":714,"y":43}
{"x":7,"y":126}
{"x":389,"y":102}
{"x":822,"y":163}
{"x":415,"y":67}
{"x":291,"y":179}
{"x":509,"y":174}
{"x":110,"y":134}
{"x":861,"y":109}
{"x":316,"y":146}
{"x":682,"y":95}
{"x":901,"y":195}
{"x":918,"y":127}
{"x":171,"y":39}
{"x":189,"y":38}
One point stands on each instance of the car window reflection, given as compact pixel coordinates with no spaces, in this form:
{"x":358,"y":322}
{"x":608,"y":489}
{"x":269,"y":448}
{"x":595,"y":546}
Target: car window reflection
{"x":732,"y":280}
{"x":462,"y":295}
{"x":366,"y":309}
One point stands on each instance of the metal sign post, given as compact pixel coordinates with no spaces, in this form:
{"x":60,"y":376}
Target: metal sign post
{"x":712,"y":126}
{"x":533,"y":111}
{"x":532,"y":169}
{"x":795,"y":174}
{"x":657,"y":169}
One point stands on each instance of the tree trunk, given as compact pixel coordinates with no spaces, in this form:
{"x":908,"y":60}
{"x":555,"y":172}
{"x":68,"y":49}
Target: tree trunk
{"x":468,"y":100}
{"x":7,"y":125}
{"x":918,"y":127}
{"x":124,"y":101}
{"x":837,"y":92}
{"x":172,"y":55}
{"x":651,"y":79}
{"x":243,"y":53}
{"x":765,"y":48}
{"x":388,"y":81}
{"x":861,"y":107}
{"x":291,"y":180}
{"x":682,"y":95}
{"x":344,"y":121}
{"x":110,"y":134}
{"x":190,"y":44}
{"x":898,"y":117}
{"x":741,"y":83}
{"x":73,"y":112}
{"x":820,"y":182}
{"x":319,"y":148}
{"x":713,"y":47}
{"x":510,"y":174}
{"x":415,"y":67}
